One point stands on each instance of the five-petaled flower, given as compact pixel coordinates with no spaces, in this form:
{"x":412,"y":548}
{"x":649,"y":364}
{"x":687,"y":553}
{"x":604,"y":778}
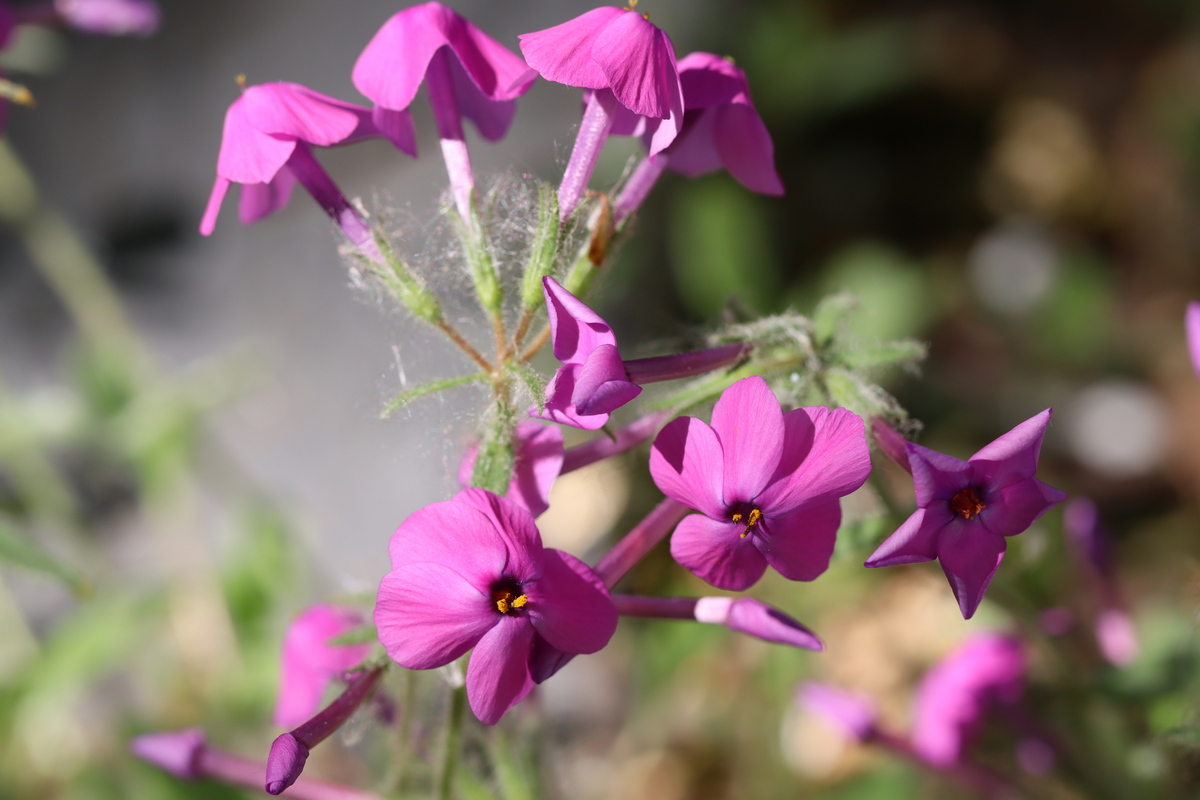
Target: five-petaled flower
{"x":766,"y":483}
{"x":967,"y":508}
{"x":471,"y":572}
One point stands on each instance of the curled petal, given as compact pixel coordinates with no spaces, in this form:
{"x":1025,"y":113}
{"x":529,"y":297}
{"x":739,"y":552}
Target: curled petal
{"x":570,"y":606}
{"x":498,"y":672}
{"x":1014,"y":508}
{"x":716,"y":552}
{"x":602,"y":385}
{"x":428,"y":615}
{"x":686,"y":463}
{"x":800,"y":544}
{"x":576,"y":329}
{"x":395,"y":126}
{"x":289,"y":109}
{"x":748,"y":422}
{"x":639,"y":63}
{"x":1013,"y":456}
{"x":970,"y":555}
{"x":559,"y":406}
{"x":563,"y":54}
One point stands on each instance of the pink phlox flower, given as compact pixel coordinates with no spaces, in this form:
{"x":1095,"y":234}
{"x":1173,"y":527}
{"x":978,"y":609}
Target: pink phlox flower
{"x":619,"y":51}
{"x":1192,"y":323}
{"x":954,"y":697}
{"x":486,"y":77}
{"x":311,"y":663}
{"x":538,"y":461}
{"x":110,"y":17}
{"x":471,"y":572}
{"x":592,"y":381}
{"x":266,"y":137}
{"x":851,"y":712}
{"x":967,"y":508}
{"x":766,"y":485}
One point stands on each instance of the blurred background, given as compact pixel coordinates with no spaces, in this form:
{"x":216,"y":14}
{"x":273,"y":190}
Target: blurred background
{"x":190,"y":459}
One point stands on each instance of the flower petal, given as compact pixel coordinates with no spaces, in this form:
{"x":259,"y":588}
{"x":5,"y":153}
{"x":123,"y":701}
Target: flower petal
{"x":428,"y":615}
{"x":936,"y":476}
{"x":708,"y":80}
{"x":716,"y":552}
{"x":639,"y":62}
{"x":825,"y":456}
{"x":570,"y":606}
{"x":602,"y":385}
{"x":392,"y":66}
{"x":1014,"y":508}
{"x":687,"y":464}
{"x":452,"y":533}
{"x":498,"y":672}
{"x":914,"y":541}
{"x":563,"y":54}
{"x":491,"y":117}
{"x":749,"y":424}
{"x":575,"y":328}
{"x":209,"y":220}
{"x":970,"y":555}
{"x":558,"y":405}
{"x":247,"y":154}
{"x":289,"y":109}
{"x":539,"y":461}
{"x":799,"y":545}
{"x":310,"y":662}
{"x":258,"y":200}
{"x":694,"y":151}
{"x":1013,"y":456}
{"x":515,"y":526}
{"x":395,"y":126}
{"x":746,"y":148}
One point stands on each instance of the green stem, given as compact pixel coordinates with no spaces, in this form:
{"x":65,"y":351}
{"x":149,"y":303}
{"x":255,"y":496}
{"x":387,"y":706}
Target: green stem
{"x":458,"y":708}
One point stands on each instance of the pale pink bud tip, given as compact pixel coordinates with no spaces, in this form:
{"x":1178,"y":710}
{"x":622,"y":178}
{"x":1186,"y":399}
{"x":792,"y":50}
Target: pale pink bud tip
{"x":285,"y":763}
{"x":177,"y":752}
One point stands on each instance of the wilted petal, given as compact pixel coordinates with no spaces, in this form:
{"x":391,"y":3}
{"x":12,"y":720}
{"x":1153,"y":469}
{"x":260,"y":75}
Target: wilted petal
{"x":749,"y":424}
{"x":576,"y":329}
{"x":686,"y":463}
{"x":1014,"y":508}
{"x":259,"y":200}
{"x":914,"y":541}
{"x":825,"y":456}
{"x":570,"y":606}
{"x":428,"y":615}
{"x":639,"y":62}
{"x":716,"y":552}
{"x":1013,"y":456}
{"x":498,"y":672}
{"x":970,"y":555}
{"x":289,"y":109}
{"x":563,"y":54}
{"x":800,"y":544}
{"x":937,"y":476}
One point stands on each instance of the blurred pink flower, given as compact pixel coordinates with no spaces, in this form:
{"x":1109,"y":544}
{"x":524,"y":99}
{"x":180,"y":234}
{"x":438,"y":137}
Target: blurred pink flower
{"x":1192,"y":323}
{"x":311,"y":663}
{"x":538,"y":461}
{"x":110,"y":17}
{"x":471,"y":572}
{"x":767,"y":485}
{"x":851,"y":712}
{"x":967,"y":508}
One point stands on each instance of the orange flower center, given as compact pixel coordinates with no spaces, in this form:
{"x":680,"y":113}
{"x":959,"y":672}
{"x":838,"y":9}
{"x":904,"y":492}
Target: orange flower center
{"x":967,"y":504}
{"x":508,"y":598}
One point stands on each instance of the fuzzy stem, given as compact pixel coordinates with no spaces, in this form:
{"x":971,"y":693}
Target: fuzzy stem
{"x":635,"y":190}
{"x":445,"y":778}
{"x":593,"y":130}
{"x":449,"y":124}
{"x":640,"y":541}
{"x":536,"y":345}
{"x":603,"y":447}
{"x":685,"y":365}
{"x":464,"y":345}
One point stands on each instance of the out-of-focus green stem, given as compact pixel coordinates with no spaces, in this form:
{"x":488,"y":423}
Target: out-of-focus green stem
{"x":32,"y":470}
{"x":445,"y":779}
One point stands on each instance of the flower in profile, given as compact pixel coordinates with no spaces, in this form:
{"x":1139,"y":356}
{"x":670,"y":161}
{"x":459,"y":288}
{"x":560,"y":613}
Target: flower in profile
{"x":966,"y":509}
{"x":767,"y":485}
{"x":265,"y":147}
{"x":1192,"y":323}
{"x":471,"y":572}
{"x":110,"y":17}
{"x":538,"y":460}
{"x":467,"y":73}
{"x":311,"y":663}
{"x":594,"y":381}
{"x":721,"y":129}
{"x":954,"y":697}
{"x":627,"y":63}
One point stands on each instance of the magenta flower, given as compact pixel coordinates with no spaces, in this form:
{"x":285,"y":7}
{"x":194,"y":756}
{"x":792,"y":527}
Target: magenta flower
{"x":744,"y":615}
{"x":468,"y":74}
{"x":721,"y":129}
{"x":110,"y":17}
{"x":967,"y":508}
{"x":766,"y":485}
{"x":311,"y":663}
{"x":265,"y":147}
{"x":594,"y":381}
{"x":627,"y":63}
{"x":1192,"y":323}
{"x":953,"y":698}
{"x":471,"y":572}
{"x":538,"y":461}
{"x":854,"y":714}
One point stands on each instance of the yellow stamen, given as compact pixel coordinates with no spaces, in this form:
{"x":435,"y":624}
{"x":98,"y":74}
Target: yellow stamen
{"x":506,"y":602}
{"x":737,"y":517}
{"x":240,"y":80}
{"x":502,"y":605}
{"x":755,"y":516}
{"x":16,"y":93}
{"x":520,"y":602}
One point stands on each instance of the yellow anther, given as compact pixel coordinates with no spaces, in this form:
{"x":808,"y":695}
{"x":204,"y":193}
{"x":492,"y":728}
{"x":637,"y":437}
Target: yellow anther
{"x":240,"y":80}
{"x":520,"y":602}
{"x":755,"y":516}
{"x":502,"y":605}
{"x":16,"y":93}
{"x":737,"y":517}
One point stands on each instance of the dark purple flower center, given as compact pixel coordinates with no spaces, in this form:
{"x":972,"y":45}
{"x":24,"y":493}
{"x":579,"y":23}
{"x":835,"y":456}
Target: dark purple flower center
{"x":508,"y":597}
{"x":967,"y":504}
{"x":747,"y":515}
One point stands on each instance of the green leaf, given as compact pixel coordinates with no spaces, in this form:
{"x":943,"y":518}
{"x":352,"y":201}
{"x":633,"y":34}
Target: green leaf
{"x":544,"y":249}
{"x":404,"y":398}
{"x":829,"y":315}
{"x":532,"y":380}
{"x":17,"y":550}
{"x":884,"y":354}
{"x":364,"y":634}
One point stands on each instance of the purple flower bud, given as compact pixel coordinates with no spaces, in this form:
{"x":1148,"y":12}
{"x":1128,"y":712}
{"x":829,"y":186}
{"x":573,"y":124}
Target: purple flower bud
{"x":285,"y":763}
{"x":755,"y":618}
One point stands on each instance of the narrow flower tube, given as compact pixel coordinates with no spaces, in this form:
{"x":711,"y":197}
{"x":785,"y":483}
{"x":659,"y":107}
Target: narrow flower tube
{"x":593,"y":131}
{"x":640,"y":540}
{"x":602,"y":447}
{"x":289,"y":751}
{"x":742,"y":614}
{"x":186,"y":754}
